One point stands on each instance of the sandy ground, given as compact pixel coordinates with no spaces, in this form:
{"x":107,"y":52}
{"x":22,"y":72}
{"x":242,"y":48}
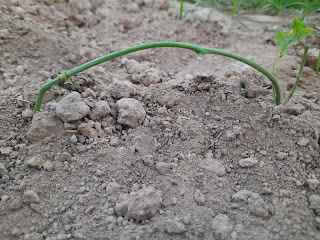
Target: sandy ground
{"x":157,"y":144}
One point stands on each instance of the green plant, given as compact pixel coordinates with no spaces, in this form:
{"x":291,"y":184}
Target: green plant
{"x":181,"y":9}
{"x":318,"y":64}
{"x":316,"y":33}
{"x":197,"y":49}
{"x":297,"y":35}
{"x":235,"y":7}
{"x":231,"y":7}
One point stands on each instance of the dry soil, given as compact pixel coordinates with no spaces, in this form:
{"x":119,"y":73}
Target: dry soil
{"x":156,"y":144}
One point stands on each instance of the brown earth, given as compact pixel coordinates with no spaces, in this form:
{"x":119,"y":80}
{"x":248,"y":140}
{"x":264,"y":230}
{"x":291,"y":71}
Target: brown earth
{"x":157,"y":144}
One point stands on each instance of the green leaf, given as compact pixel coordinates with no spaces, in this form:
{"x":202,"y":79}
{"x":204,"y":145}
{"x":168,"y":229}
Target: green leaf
{"x":296,"y":35}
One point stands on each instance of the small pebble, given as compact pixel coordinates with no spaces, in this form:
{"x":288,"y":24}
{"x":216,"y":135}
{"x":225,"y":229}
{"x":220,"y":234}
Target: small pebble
{"x":3,"y":170}
{"x":169,"y":214}
{"x":114,"y":141}
{"x":221,"y":171}
{"x":174,"y":201}
{"x":110,"y":211}
{"x":263,"y":152}
{"x":15,"y":232}
{"x":231,"y":135}
{"x":199,"y":198}
{"x":72,"y":112}
{"x":5,"y":150}
{"x":4,"y":33}
{"x":166,"y":124}
{"x":130,"y":112}
{"x":237,"y":130}
{"x":282,"y":156}
{"x":4,"y":199}
{"x":28,"y":113}
{"x":20,"y":70}
{"x":73,"y":139}
{"x":248,"y":162}
{"x":200,"y":112}
{"x":47,"y":140}
{"x":164,"y":6}
{"x":2,"y":193}
{"x":276,"y":118}
{"x":234,"y":205}
{"x":148,"y":160}
{"x":112,"y":188}
{"x":31,"y":197}
{"x":65,"y":156}
{"x":313,"y":183}
{"x":295,"y":109}
{"x":89,"y":210}
{"x":97,"y":126}
{"x":5,"y":178}
{"x":35,"y":162}
{"x":284,"y":193}
{"x":314,"y":202}
{"x":87,"y":130}
{"x":222,"y":227}
{"x":48,"y":166}
{"x":174,"y":226}
{"x":163,"y":167}
{"x":67,"y":227}
{"x":303,"y":142}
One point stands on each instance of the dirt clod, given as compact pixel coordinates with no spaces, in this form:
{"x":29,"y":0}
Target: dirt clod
{"x":71,"y":108}
{"x":248,"y":162}
{"x":44,"y":124}
{"x":130,"y":112}
{"x":36,"y":162}
{"x":221,"y":227}
{"x":31,"y":196}
{"x":140,"y":205}
{"x":314,"y":201}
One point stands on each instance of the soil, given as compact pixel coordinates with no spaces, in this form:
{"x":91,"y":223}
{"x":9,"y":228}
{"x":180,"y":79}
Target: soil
{"x":157,"y":144}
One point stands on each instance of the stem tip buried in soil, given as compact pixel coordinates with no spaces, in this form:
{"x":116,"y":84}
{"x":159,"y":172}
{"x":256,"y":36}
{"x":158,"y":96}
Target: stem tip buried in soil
{"x":197,"y":49}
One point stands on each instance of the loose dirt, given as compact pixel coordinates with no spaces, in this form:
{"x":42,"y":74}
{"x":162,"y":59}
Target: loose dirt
{"x":157,"y":144}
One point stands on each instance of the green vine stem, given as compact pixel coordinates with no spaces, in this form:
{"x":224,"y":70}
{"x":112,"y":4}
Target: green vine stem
{"x":197,"y":49}
{"x":318,"y":64}
{"x":273,"y":69}
{"x":306,"y":48}
{"x":181,"y":9}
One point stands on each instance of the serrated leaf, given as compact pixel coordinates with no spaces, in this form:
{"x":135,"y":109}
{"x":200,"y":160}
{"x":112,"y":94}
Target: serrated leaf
{"x":296,"y":35}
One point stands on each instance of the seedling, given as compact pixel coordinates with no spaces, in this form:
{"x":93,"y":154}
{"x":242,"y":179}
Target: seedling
{"x":318,"y":64}
{"x":231,"y":7}
{"x":197,"y":49}
{"x":317,"y":32}
{"x":235,"y":7}
{"x":297,"y":35}
{"x":181,"y":9}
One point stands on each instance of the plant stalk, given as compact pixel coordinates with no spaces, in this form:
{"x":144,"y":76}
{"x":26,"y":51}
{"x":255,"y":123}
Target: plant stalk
{"x":236,"y":5}
{"x":318,"y":64}
{"x":306,"y":48}
{"x":273,"y":69}
{"x":197,"y":49}
{"x":181,"y":9}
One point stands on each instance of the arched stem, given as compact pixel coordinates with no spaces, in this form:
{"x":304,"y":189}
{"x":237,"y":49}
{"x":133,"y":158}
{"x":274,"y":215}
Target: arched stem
{"x":197,"y":49}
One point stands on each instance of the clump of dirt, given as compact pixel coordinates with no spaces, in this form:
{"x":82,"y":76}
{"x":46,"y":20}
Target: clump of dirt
{"x":157,"y":144}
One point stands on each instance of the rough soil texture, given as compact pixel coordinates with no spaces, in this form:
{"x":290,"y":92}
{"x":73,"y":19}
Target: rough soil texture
{"x":156,"y":144}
